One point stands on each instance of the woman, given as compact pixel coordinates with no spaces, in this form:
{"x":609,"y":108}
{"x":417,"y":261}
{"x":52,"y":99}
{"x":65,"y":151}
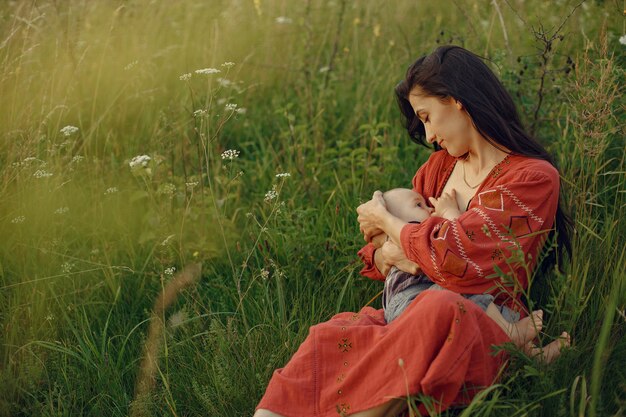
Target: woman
{"x":442,"y":345}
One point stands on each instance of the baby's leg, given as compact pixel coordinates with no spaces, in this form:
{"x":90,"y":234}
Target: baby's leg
{"x":520,"y":332}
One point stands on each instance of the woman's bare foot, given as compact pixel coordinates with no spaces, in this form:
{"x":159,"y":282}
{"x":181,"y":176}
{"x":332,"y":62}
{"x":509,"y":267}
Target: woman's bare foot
{"x":526,"y":329}
{"x":551,"y":351}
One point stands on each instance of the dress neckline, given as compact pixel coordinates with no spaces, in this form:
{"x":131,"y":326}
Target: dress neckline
{"x":493,"y":173}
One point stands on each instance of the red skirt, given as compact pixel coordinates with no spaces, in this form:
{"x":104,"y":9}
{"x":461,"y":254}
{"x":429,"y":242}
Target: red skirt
{"x":441,"y":346}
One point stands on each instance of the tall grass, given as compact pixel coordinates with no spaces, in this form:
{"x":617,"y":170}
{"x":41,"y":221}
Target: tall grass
{"x":89,"y":243}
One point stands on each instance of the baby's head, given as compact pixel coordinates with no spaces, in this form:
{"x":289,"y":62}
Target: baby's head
{"x":407,"y":205}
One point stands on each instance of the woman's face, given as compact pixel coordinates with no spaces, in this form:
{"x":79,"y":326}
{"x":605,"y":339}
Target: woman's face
{"x":445,"y":122}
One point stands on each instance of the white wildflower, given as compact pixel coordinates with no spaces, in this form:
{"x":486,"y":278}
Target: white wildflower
{"x":324,"y":69}
{"x":241,"y":110}
{"x":231,"y":107}
{"x":69,"y":130}
{"x":284,"y":20}
{"x":177,"y":319}
{"x":208,"y":71}
{"x":283,"y":175}
{"x":228,"y":64}
{"x":185,"y":77}
{"x":265,"y":273}
{"x":18,"y":219}
{"x":170,"y":271}
{"x":42,"y":173}
{"x":27,"y":161}
{"x":111,"y":190}
{"x":140,"y":161}
{"x":199,"y":113}
{"x":67,"y":267}
{"x":224,"y":82}
{"x":270,"y":195}
{"x":63,"y":144}
{"x":191,"y":184}
{"x":62,"y":210}
{"x":131,"y":65}
{"x":167,"y":189}
{"x":49,"y":317}
{"x":77,"y":159}
{"x":230,"y":154}
{"x":622,"y":39}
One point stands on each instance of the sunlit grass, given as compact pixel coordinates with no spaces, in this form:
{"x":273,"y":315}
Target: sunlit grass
{"x":89,"y":242}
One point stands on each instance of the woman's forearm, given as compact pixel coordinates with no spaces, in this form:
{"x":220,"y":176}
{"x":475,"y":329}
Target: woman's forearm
{"x":393,"y":227}
{"x":379,"y":262}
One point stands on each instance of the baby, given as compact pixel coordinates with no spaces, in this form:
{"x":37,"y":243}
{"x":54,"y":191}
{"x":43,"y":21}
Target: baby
{"x":401,"y":287}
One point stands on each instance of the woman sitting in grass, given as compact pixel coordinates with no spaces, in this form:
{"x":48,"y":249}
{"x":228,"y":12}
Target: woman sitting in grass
{"x":441,"y":346}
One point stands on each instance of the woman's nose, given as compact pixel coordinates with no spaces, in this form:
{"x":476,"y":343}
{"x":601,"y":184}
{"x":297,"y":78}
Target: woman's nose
{"x":430,"y":136}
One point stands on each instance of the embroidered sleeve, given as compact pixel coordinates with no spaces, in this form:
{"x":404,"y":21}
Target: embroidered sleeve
{"x":510,"y":218}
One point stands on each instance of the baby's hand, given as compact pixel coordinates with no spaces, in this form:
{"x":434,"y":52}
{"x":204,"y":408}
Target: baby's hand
{"x":446,"y":206}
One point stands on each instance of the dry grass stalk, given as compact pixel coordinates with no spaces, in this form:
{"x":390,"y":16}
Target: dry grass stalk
{"x":152,"y":348}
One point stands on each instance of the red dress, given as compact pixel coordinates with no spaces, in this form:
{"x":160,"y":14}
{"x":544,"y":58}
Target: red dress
{"x":441,"y":345}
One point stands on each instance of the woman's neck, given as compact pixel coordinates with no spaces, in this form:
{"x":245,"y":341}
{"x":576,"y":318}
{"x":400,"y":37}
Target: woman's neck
{"x":483,"y":157}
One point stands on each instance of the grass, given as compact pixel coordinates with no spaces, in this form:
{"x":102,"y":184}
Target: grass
{"x":89,"y":243}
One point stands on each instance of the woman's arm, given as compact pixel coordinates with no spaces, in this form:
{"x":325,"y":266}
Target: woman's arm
{"x":378,"y":261}
{"x":373,"y":218}
{"x":435,"y":164}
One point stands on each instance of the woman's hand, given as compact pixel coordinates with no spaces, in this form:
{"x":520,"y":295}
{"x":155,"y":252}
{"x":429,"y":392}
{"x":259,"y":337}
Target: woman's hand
{"x":446,"y":206}
{"x":371,"y":216}
{"x":393,"y":255}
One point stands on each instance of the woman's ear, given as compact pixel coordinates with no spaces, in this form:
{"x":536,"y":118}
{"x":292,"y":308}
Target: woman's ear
{"x":458,"y":104}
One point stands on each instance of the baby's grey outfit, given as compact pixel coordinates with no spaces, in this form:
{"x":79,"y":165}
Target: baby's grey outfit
{"x":401,"y":288}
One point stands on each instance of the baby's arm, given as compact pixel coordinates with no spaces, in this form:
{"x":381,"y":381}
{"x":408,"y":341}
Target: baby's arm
{"x":446,"y":206}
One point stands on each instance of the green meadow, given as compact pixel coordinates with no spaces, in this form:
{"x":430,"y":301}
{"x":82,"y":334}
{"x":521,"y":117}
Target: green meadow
{"x":178,"y":184}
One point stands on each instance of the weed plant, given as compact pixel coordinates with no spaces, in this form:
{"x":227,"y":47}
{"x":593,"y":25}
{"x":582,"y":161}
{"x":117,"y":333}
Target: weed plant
{"x":140,"y":137}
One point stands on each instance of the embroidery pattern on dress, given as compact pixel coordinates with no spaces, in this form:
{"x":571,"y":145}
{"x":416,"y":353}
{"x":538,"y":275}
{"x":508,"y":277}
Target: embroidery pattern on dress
{"x":345,"y":345}
{"x":496,"y":254}
{"x":520,"y":204}
{"x":467,"y":259}
{"x":342,"y":409}
{"x":492,"y":226}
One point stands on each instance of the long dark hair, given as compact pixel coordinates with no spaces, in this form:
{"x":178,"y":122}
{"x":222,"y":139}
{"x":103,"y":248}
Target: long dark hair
{"x":454,"y":72}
